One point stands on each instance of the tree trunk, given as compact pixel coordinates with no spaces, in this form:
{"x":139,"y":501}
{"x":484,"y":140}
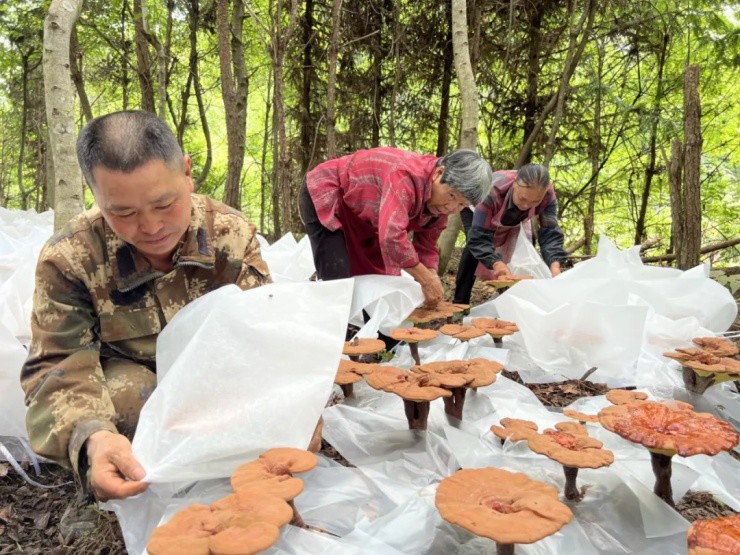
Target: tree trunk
{"x":331,"y":79}
{"x":193,"y":21}
{"x":397,"y":72}
{"x":575,"y":51}
{"x":594,"y":155}
{"x":143,"y":65}
{"x":443,"y":131}
{"x":377,"y":70}
{"x":687,"y":249}
{"x":650,"y":169}
{"x":124,"y":57}
{"x":234,"y":93}
{"x":60,"y":114}
{"x":264,"y":177}
{"x":675,"y":179}
{"x":75,"y":64}
{"x":469,"y":119}
{"x":24,"y":128}
{"x":533,"y":71}
{"x":307,"y":132}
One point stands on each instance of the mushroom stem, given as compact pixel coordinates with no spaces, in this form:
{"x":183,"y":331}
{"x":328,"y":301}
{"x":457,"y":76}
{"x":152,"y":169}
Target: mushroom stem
{"x":454,"y":404}
{"x":505,"y":548}
{"x":416,"y":414}
{"x":354,"y":358}
{"x":498,"y":341}
{"x":696,"y":383}
{"x":348,"y":389}
{"x":297,"y":520}
{"x":662,"y":470}
{"x":415,"y":352}
{"x":571,"y":489}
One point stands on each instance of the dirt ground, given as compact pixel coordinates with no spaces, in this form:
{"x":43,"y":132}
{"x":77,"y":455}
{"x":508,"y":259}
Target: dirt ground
{"x":30,"y":517}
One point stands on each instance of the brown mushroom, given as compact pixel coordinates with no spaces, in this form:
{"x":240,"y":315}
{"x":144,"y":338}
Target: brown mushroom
{"x":350,"y":372}
{"x":260,"y":476}
{"x":186,"y":532}
{"x":580,"y":416}
{"x":362,"y":346}
{"x":413,"y":336}
{"x":497,"y":329}
{"x":514,"y":429}
{"x":718,"y":346}
{"x":506,"y":281}
{"x":443,"y":310}
{"x":463,"y":332}
{"x":624,"y":396}
{"x":682,"y":354}
{"x":570,"y":445}
{"x":719,"y":536}
{"x":666,"y":429}
{"x":478,"y":372}
{"x":703,"y":368}
{"x":177,"y":545}
{"x":416,"y":390}
{"x":247,"y":507}
{"x":244,"y":541}
{"x":507,"y":507}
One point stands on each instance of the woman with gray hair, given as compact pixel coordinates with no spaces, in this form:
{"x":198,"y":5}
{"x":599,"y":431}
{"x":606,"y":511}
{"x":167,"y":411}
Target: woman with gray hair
{"x":515,"y":198}
{"x":358,"y":211}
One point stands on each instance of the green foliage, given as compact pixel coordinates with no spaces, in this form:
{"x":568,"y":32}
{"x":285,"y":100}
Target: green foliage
{"x":390,"y":83}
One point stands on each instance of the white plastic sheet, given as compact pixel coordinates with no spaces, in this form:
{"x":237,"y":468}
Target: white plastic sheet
{"x":526,"y":260}
{"x":289,"y":260}
{"x":387,"y":299}
{"x":240,"y":372}
{"x":12,"y":408}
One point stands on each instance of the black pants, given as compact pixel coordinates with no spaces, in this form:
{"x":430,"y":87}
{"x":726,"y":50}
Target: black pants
{"x":466,"y":269}
{"x":329,"y":250}
{"x":328,"y":247}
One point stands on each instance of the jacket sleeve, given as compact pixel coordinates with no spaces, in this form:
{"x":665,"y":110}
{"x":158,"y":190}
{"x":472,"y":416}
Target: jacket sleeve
{"x":254,"y":270}
{"x":425,"y":242}
{"x":66,"y":393}
{"x":480,"y":239}
{"x":393,"y":224}
{"x":550,"y":237}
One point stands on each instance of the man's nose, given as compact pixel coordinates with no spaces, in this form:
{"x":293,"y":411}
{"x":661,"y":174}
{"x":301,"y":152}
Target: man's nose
{"x":150,"y":224}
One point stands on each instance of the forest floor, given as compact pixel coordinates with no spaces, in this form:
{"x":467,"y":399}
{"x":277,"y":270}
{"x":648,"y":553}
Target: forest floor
{"x":30,"y":517}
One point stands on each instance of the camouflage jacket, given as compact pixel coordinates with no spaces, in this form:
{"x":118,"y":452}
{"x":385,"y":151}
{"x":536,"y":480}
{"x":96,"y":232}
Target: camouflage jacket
{"x":97,"y":297}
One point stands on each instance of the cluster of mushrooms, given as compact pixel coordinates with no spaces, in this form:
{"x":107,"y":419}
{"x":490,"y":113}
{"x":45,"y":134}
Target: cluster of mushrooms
{"x":245,"y":522}
{"x":714,"y":360}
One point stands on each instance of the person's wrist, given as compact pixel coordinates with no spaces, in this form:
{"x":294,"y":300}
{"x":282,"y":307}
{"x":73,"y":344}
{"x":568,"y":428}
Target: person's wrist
{"x":95,"y":438}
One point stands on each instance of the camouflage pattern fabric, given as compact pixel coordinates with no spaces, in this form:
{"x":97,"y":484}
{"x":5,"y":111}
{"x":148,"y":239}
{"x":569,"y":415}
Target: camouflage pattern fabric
{"x":98,"y":308}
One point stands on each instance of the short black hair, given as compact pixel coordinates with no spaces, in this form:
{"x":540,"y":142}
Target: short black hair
{"x":125,"y":141}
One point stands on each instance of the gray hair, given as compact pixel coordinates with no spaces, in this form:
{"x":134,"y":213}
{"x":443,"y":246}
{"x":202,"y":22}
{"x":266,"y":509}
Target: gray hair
{"x":466,"y":171}
{"x":125,"y":141}
{"x":533,"y":175}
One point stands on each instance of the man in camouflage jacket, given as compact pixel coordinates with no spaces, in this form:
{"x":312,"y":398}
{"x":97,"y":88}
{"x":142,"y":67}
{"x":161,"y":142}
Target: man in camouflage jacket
{"x":108,"y":283}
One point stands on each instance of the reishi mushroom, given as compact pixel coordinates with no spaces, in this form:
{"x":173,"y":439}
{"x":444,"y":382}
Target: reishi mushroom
{"x":667,"y":429}
{"x":413,"y":336}
{"x":444,"y":310}
{"x":463,"y":332}
{"x":349,"y":373}
{"x":507,"y":507}
{"x":496,"y":328}
{"x":477,"y":372}
{"x":718,"y":536}
{"x":416,"y":390}
{"x":718,"y":346}
{"x":709,"y":365}
{"x":362,"y":346}
{"x":506,"y":281}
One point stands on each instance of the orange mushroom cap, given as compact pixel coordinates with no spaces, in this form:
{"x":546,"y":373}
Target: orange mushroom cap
{"x":581,"y":416}
{"x":715,"y":365}
{"x":407,"y":385}
{"x":675,"y":429}
{"x":506,"y":280}
{"x":477,"y":372}
{"x":178,"y":545}
{"x":297,"y":460}
{"x":244,"y":541}
{"x":718,"y":346}
{"x":719,"y":536}
{"x":350,"y":371}
{"x":570,"y":445}
{"x":443,"y":309}
{"x":506,"y":507}
{"x":252,"y":507}
{"x":413,"y":335}
{"x":462,"y":332}
{"x":514,"y":429}
{"x":257,"y":476}
{"x":622,"y":396}
{"x":363,"y":346}
{"x":494,"y":326}
{"x":682,"y":354}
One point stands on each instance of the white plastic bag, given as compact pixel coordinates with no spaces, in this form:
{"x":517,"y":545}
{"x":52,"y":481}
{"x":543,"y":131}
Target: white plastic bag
{"x":387,"y":299}
{"x":288,"y":260}
{"x":526,"y":260}
{"x":12,"y":408}
{"x":241,"y":372}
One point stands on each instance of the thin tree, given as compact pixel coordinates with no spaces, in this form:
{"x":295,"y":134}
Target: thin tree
{"x":331,"y":79}
{"x":59,"y":93}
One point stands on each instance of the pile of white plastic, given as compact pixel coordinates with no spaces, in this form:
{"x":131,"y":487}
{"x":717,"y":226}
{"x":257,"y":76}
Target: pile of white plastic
{"x":240,"y":372}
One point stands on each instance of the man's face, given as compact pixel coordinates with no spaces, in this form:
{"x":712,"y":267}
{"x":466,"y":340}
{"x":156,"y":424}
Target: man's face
{"x":526,"y":198}
{"x":445,"y":200}
{"x":148,"y":208}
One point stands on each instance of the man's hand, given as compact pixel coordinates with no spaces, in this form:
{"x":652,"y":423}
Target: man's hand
{"x":555,"y":269}
{"x":501,"y":269}
{"x":114,"y":472}
{"x":315,"y":444}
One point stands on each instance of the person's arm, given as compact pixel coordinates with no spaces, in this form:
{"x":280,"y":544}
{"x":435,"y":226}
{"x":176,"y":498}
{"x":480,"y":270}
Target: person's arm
{"x":480,"y":241}
{"x":425,"y":243}
{"x":431,"y":285}
{"x":254,"y":270}
{"x":550,"y":238}
{"x":67,"y":397}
